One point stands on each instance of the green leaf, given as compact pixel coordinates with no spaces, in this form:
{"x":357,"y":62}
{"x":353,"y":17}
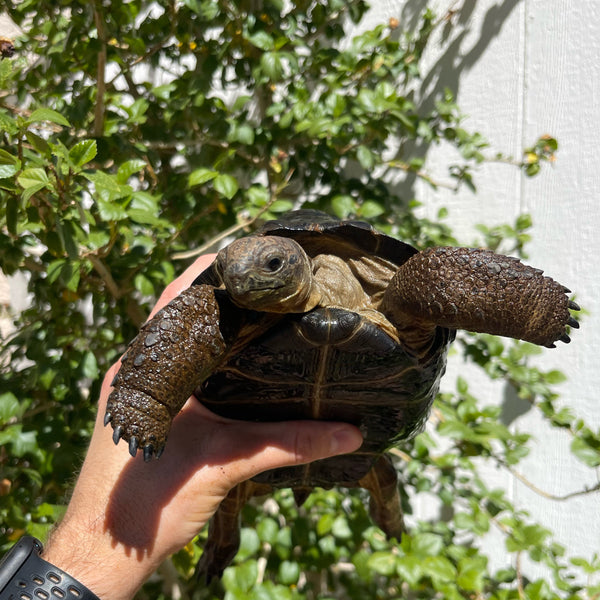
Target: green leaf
{"x":262,"y":40}
{"x":33,"y":177}
{"x":47,"y":114}
{"x":272,"y":65}
{"x":39,"y":143}
{"x":370,"y":209}
{"x":8,"y":171}
{"x":89,"y":366}
{"x":129,"y":168}
{"x":409,"y":568}
{"x":21,"y":443}
{"x":107,"y":186}
{"x":524,"y":537}
{"x":200,"y":176}
{"x":281,"y":206}
{"x":267,"y":530}
{"x":9,"y":407}
{"x":439,"y":568}
{"x":555,"y":377}
{"x":6,"y":158}
{"x":324,"y":524}
{"x":384,"y":563}
{"x":226,"y":185}
{"x":587,"y":450}
{"x":242,"y":577}
{"x":258,"y":195}
{"x":8,"y":124}
{"x":143,"y":285}
{"x":289,"y":572}
{"x":110,"y":210}
{"x":340,"y":528}
{"x":144,"y":208}
{"x":343,"y":206}
{"x":471,"y":573}
{"x":426,"y":544}
{"x":336,"y":104}
{"x":137,"y":111}
{"x":365,"y":157}
{"x":163,"y":92}
{"x":284,"y":537}
{"x":54,"y":270}
{"x":242,"y":133}
{"x":240,"y":102}
{"x":249,"y":543}
{"x":9,"y":164}
{"x":83,"y":152}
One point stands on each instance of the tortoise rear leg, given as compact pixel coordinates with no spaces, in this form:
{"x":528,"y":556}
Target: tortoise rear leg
{"x":477,"y":290}
{"x":384,"y":505}
{"x":224,"y":530}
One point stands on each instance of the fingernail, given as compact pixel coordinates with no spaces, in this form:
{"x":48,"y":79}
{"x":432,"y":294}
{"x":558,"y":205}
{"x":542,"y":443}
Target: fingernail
{"x":346,"y":439}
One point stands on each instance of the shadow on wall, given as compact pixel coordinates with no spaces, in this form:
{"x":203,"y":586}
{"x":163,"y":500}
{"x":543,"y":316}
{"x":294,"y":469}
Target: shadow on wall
{"x":446,"y":72}
{"x":453,"y":61}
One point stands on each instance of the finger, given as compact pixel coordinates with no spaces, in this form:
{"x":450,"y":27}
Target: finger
{"x":264,"y":446}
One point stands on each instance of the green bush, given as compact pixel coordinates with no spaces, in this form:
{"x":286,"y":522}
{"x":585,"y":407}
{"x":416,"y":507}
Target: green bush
{"x":135,"y":132}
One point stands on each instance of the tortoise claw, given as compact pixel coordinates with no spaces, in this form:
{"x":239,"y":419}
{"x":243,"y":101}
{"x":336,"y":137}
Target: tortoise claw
{"x":564,"y":338}
{"x":117,"y":433}
{"x":133,"y":446}
{"x":573,"y":305}
{"x":148,"y":451}
{"x":107,"y":419}
{"x":573,"y":323}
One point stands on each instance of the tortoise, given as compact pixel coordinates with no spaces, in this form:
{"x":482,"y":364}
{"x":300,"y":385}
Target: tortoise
{"x":314,"y":317}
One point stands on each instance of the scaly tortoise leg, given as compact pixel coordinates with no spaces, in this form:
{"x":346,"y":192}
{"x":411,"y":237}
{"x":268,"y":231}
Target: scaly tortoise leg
{"x":168,"y":359}
{"x":478,"y":290}
{"x":224,"y":530}
{"x":384,"y":505}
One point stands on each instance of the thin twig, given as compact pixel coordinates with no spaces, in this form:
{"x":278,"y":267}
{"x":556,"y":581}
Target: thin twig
{"x":234,"y":228}
{"x":105,"y":275}
{"x":403,"y":166}
{"x":520,"y":587}
{"x":101,"y":73}
{"x":544,"y":494}
{"x":214,"y":241}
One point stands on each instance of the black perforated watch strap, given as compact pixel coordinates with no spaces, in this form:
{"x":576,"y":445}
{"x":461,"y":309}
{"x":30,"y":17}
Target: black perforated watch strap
{"x":24,"y":575}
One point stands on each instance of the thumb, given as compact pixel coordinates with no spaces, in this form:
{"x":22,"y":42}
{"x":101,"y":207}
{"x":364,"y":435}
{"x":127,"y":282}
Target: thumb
{"x":275,"y":445}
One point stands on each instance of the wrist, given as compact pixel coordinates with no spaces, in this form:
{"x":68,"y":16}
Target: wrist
{"x":108,"y":569}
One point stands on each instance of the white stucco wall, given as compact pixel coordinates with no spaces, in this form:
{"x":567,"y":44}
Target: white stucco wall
{"x":523,"y":68}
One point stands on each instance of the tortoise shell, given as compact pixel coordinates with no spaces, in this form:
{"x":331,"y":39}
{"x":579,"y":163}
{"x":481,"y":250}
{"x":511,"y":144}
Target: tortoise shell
{"x":330,"y":363}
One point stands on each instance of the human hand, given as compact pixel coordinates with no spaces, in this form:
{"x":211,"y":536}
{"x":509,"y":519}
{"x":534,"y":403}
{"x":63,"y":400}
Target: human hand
{"x":126,"y":516}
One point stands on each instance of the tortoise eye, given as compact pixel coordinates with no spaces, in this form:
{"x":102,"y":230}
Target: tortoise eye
{"x":274,"y":264}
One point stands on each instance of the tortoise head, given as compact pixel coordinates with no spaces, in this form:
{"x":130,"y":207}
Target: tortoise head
{"x":268,"y":273}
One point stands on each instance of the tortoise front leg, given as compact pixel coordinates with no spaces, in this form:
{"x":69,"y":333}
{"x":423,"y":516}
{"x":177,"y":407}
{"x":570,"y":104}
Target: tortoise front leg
{"x":478,"y":290}
{"x":384,"y":504}
{"x":168,"y":359}
{"x":224,"y":530}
